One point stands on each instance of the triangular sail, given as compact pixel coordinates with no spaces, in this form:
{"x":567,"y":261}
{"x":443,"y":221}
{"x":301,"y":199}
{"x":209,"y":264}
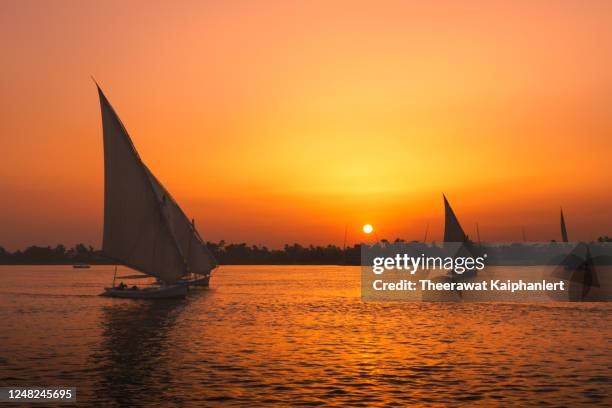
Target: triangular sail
{"x":453,"y":232}
{"x":563,"y":229}
{"x":456,"y":242}
{"x":199,"y":259}
{"x":136,"y":230}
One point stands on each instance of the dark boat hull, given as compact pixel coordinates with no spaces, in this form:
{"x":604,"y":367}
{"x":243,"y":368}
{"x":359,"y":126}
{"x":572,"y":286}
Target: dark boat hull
{"x":163,"y":292}
{"x":199,"y":282}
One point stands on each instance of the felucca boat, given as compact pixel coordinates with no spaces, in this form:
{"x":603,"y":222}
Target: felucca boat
{"x":579,"y":271}
{"x":144,"y":227}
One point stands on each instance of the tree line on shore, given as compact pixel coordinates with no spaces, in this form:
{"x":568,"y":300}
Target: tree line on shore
{"x":237,"y":254}
{"x":244,"y":254}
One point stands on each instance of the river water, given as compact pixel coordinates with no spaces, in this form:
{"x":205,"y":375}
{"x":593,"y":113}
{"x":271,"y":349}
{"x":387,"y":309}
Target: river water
{"x":294,"y":335}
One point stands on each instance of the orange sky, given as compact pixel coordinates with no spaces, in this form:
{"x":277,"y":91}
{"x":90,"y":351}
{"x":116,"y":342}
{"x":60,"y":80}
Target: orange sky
{"x":274,"y":122}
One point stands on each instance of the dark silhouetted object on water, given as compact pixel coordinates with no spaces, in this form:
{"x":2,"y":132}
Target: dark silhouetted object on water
{"x":563,"y":229}
{"x":455,"y":235}
{"x":144,"y":227}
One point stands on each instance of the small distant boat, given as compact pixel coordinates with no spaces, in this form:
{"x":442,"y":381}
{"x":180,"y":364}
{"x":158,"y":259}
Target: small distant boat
{"x":144,"y":227}
{"x":578,"y":269}
{"x":81,"y":266}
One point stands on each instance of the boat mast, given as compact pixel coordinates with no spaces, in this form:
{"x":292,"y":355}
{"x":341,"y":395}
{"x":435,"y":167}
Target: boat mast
{"x":344,"y":245}
{"x":189,"y":246}
{"x":426,"y":232}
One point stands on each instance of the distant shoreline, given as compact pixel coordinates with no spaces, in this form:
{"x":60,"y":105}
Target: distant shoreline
{"x":508,"y":254}
{"x":221,"y":264}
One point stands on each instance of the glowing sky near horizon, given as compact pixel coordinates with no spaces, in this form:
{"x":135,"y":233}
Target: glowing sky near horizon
{"x":281,"y":122}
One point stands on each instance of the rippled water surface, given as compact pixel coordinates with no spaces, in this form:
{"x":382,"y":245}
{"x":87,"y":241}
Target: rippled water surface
{"x":294,"y":336}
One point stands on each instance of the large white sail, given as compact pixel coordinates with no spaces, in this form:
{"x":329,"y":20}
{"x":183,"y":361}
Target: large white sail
{"x":137,"y":232}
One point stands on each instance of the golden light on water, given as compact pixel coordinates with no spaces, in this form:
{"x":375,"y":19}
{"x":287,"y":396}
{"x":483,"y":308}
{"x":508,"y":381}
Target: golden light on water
{"x":368,"y":228}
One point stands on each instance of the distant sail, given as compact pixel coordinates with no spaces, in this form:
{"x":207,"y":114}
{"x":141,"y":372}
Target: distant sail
{"x":456,"y":241}
{"x":563,"y":229}
{"x":144,"y":228}
{"x":453,"y":232}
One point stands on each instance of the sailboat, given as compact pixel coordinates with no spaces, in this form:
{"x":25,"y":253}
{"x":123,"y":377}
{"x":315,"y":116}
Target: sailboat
{"x":583,"y":278}
{"x":144,"y":227}
{"x":578,"y":269}
{"x":456,"y":238}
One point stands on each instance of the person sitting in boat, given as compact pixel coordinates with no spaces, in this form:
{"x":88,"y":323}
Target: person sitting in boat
{"x":121,"y":286}
{"x":134,"y":287}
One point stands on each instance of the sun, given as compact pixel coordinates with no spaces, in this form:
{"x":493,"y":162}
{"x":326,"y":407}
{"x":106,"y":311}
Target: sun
{"x":367,"y":228}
